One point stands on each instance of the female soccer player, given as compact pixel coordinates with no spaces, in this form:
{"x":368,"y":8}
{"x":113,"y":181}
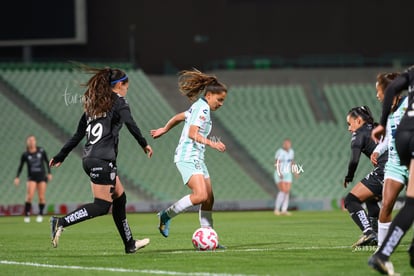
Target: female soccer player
{"x":105,"y":111}
{"x":35,"y":157}
{"x":189,"y":154}
{"x":404,"y":142}
{"x":369,"y":189}
{"x":283,"y":176}
{"x":395,"y":175}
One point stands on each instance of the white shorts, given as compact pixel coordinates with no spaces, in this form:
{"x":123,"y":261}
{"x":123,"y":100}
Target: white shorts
{"x":282,"y":177}
{"x":396,"y":172}
{"x":189,"y":168}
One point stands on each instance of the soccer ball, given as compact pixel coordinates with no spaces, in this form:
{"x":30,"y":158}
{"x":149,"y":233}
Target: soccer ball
{"x":205,"y":238}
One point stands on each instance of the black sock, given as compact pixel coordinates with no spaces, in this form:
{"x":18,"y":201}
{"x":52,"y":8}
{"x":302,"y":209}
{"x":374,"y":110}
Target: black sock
{"x":41,"y":208}
{"x":373,"y":213}
{"x":373,"y":208}
{"x":27,"y":208}
{"x":119,"y":216}
{"x":354,"y":206}
{"x":98,"y":208}
{"x":399,"y":226}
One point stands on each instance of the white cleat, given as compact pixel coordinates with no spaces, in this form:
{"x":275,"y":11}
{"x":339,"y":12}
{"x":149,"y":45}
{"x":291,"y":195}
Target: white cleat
{"x":138,"y":245}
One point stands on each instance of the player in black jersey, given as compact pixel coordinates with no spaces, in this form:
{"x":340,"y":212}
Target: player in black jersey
{"x":37,"y":163}
{"x":404,"y":142}
{"x":369,"y":189}
{"x":106,"y":110}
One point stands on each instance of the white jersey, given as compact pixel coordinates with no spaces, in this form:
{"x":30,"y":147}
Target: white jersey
{"x":198,"y":115}
{"x":393,"y":121}
{"x":284,"y":160}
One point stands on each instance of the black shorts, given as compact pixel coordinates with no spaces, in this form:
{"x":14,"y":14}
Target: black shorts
{"x":404,"y":143}
{"x":100,"y":171}
{"x":37,"y":177}
{"x":374,"y":181}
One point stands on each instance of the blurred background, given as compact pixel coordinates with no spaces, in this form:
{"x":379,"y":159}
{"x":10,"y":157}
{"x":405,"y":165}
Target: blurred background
{"x":293,"y":68}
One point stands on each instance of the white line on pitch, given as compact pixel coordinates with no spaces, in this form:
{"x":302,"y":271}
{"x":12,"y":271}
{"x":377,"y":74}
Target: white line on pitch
{"x":112,"y":269}
{"x":263,"y":249}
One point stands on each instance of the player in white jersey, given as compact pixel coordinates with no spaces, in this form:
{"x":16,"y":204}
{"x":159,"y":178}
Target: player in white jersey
{"x":395,"y":175}
{"x":283,"y":176}
{"x":189,"y":154}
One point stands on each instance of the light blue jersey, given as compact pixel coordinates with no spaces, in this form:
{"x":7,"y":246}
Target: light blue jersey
{"x":393,"y":170}
{"x":393,"y":121}
{"x":283,"y":165}
{"x":198,"y":115}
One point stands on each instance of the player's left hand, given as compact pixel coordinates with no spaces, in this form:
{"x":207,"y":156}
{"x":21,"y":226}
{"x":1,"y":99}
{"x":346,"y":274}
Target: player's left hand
{"x":49,"y":177}
{"x":346,"y":184}
{"x":148,"y":151}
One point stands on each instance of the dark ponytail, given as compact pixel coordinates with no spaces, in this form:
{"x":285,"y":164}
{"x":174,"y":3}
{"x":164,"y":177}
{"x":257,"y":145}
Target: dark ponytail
{"x":98,"y":95}
{"x":364,"y":113}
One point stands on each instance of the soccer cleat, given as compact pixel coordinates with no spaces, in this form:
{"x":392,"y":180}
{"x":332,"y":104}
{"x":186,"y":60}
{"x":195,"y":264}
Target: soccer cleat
{"x":39,"y":218}
{"x":56,"y":230}
{"x":222,"y":247}
{"x":383,"y":267}
{"x":411,"y":253}
{"x":367,"y":240}
{"x":26,"y":219}
{"x":286,"y":213}
{"x":164,"y":223}
{"x":137,"y":245}
{"x":277,"y":213}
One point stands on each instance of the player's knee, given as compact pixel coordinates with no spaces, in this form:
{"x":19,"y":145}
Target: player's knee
{"x":103,"y":206}
{"x":351,"y":202}
{"x":386,"y":207}
{"x":200,"y":197}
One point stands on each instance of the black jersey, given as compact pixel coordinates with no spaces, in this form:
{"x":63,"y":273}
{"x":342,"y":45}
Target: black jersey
{"x":36,"y":161}
{"x":102,"y":133}
{"x":361,"y":142}
{"x":400,"y":83}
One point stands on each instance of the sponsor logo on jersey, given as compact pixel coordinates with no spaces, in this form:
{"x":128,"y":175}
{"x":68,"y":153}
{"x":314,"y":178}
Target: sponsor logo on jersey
{"x":94,"y":175}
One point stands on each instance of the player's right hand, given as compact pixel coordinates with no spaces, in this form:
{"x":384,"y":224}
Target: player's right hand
{"x":156,"y":133}
{"x":377,"y":133}
{"x":219,"y":146}
{"x":16,"y":181}
{"x":374,"y":158}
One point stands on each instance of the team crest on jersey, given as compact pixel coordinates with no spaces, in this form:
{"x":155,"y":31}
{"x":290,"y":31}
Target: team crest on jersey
{"x":202,"y":118}
{"x":112,"y":175}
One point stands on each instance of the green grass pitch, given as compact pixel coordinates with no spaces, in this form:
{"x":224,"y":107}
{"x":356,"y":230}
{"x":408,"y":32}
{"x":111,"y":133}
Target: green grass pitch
{"x":259,"y":243}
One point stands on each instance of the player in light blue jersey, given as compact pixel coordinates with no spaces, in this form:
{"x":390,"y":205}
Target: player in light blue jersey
{"x":283,"y":176}
{"x":395,"y":175}
{"x":189,"y":154}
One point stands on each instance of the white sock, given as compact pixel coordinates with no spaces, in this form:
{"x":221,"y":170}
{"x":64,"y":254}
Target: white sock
{"x":206,"y":218}
{"x":179,"y":206}
{"x":285,"y":204}
{"x":382,"y":231}
{"x":279,"y":200}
